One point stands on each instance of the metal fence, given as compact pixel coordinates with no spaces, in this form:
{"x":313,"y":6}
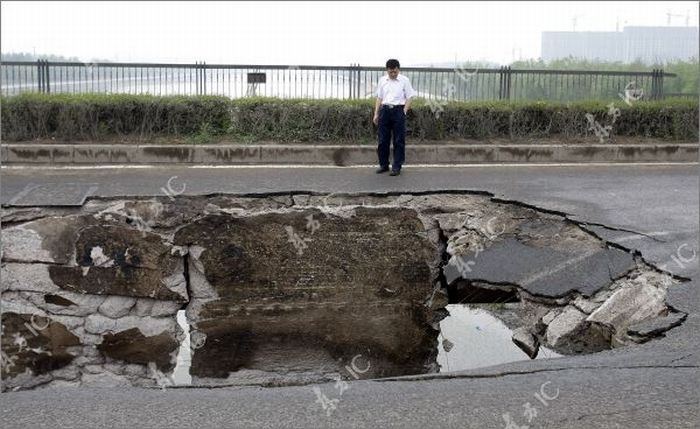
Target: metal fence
{"x":322,"y":82}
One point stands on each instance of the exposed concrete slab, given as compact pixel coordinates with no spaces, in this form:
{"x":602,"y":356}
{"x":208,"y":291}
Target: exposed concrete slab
{"x":24,"y":244}
{"x":294,"y":292}
{"x":27,"y":277}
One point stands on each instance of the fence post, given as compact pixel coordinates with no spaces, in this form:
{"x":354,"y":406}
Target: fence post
{"x":201,"y":77}
{"x":39,"y":75}
{"x":508,"y":75}
{"x":47,"y":81}
{"x":501,"y":82}
{"x":655,"y":84}
{"x":661,"y":84}
{"x":358,"y":87}
{"x":198,"y":76}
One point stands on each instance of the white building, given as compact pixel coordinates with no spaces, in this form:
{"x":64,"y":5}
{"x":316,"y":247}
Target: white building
{"x":648,"y":44}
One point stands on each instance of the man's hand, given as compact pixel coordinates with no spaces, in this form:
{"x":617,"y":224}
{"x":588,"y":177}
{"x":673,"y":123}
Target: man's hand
{"x":377,"y":106}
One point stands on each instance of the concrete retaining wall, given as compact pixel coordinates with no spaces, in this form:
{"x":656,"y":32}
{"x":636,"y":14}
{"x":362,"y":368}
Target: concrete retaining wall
{"x":340,"y":155}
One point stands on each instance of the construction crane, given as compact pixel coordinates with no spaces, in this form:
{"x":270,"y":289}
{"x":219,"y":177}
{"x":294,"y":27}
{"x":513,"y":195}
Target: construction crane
{"x":574,"y":20}
{"x":617,"y":24}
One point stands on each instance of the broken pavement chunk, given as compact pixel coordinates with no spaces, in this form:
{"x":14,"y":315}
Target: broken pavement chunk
{"x":543,"y":271}
{"x":630,"y":304}
{"x":651,"y":328}
{"x":526,"y":341}
{"x":569,"y":332}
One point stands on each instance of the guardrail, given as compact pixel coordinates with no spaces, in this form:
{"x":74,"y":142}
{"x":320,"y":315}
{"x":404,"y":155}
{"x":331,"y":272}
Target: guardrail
{"x":323,"y":82}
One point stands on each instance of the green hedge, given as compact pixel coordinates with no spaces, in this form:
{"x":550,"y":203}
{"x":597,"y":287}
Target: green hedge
{"x":97,"y":116}
{"x":207,"y":118}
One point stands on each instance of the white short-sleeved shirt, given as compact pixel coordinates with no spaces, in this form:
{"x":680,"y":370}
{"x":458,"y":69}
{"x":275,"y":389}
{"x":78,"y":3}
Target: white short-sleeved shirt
{"x":395,"y":91}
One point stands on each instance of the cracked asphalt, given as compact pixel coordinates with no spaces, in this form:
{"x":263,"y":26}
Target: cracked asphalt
{"x":653,"y":209}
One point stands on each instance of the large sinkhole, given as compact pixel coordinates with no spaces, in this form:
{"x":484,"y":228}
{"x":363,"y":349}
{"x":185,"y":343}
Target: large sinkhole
{"x":301,"y":288}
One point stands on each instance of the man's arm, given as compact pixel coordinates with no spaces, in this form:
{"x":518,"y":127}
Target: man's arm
{"x":410,"y":93}
{"x":377,"y":103}
{"x":407,"y":106}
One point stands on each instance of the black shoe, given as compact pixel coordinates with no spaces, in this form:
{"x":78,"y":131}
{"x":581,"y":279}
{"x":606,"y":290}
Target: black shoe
{"x":395,"y":172}
{"x":382,"y":170}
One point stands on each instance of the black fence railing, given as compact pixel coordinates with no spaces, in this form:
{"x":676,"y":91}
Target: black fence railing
{"x":329,"y":82}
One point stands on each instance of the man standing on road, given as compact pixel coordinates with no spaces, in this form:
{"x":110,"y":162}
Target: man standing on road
{"x":394,"y":93}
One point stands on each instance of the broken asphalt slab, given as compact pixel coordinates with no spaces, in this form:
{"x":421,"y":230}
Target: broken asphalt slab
{"x":543,"y":271}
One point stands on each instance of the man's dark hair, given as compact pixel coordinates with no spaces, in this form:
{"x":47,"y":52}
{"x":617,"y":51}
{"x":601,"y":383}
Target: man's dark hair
{"x":393,"y":64}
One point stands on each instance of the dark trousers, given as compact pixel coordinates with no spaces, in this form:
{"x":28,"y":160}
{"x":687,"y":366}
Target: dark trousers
{"x":392,"y":121}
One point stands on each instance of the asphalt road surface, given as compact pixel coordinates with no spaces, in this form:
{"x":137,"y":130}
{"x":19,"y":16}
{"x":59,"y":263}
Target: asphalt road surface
{"x":655,"y":385}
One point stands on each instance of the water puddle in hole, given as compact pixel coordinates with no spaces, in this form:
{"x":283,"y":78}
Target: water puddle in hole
{"x":480,"y":339}
{"x":181,"y":374}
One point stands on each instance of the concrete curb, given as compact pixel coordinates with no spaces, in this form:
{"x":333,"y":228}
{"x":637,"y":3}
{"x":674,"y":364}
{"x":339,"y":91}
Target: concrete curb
{"x":339,"y":155}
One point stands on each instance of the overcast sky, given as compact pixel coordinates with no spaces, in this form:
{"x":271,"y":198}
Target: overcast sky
{"x":314,"y":33}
